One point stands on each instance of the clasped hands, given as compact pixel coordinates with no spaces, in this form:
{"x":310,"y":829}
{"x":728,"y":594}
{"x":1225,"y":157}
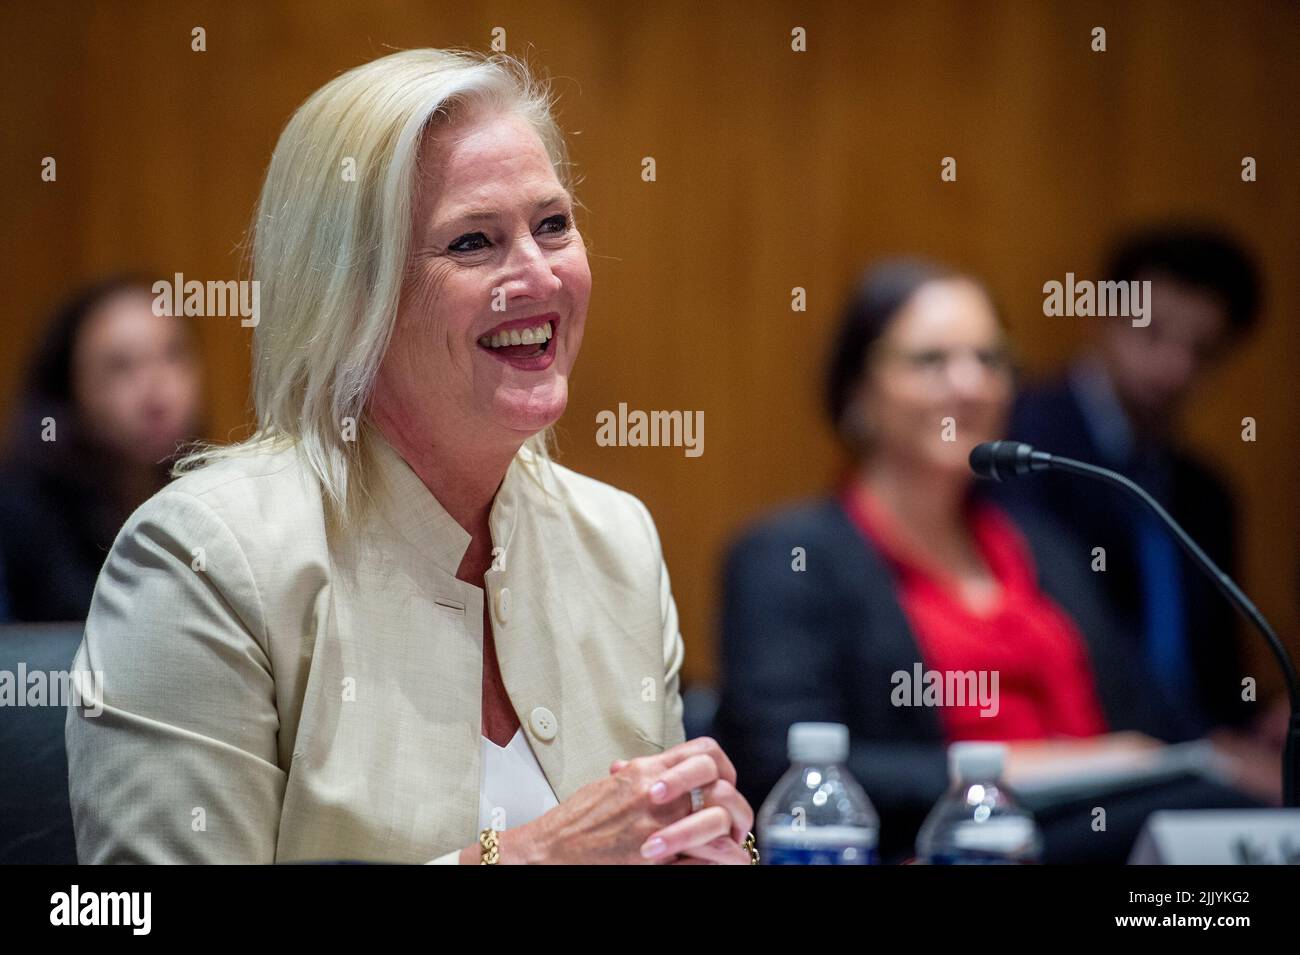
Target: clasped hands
{"x":641,"y":813}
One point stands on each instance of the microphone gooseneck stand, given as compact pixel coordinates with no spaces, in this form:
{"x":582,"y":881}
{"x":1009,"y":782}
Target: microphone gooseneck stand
{"x":998,"y":460}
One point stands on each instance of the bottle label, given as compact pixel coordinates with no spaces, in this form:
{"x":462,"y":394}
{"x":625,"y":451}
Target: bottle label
{"x":818,"y":855}
{"x":971,"y":858}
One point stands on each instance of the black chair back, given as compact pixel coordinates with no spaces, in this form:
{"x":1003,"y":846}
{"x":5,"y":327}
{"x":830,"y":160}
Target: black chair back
{"x":35,"y":818}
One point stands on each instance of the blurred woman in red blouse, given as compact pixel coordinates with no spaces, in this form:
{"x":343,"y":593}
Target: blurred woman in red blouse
{"x":835,"y":610}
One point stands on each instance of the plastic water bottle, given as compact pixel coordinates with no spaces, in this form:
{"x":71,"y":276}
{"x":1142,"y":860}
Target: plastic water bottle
{"x":978,"y":821}
{"x":818,"y":814}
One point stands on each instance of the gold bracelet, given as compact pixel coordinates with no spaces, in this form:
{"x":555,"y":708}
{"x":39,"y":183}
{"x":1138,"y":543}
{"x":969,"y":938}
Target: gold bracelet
{"x":489,"y":850}
{"x":751,"y":848}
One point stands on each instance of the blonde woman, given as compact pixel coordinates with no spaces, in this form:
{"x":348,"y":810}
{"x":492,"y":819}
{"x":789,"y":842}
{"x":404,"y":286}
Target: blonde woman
{"x":389,"y":626}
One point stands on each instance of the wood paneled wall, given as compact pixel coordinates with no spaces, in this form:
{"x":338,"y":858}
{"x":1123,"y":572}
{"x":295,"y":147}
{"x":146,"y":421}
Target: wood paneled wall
{"x":775,"y":169}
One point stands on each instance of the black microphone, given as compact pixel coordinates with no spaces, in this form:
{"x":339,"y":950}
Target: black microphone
{"x":1003,"y":459}
{"x":1000,"y":460}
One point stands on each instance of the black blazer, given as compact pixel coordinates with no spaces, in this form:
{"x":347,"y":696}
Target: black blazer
{"x":821,"y":644}
{"x":1097,"y":515}
{"x":53,"y":541}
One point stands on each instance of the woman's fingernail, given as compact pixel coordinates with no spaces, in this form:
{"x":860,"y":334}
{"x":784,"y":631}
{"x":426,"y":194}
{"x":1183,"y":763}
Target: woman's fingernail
{"x":658,"y":790}
{"x":653,"y":848}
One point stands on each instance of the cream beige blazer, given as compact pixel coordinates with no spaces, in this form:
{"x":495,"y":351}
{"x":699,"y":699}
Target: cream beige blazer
{"x":275,"y":692}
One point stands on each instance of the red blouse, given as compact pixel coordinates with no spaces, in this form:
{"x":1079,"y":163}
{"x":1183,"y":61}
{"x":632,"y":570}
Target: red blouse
{"x":1045,"y":686}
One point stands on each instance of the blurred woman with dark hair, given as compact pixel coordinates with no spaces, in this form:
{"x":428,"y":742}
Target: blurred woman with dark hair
{"x":111,"y":392}
{"x":908,"y":568}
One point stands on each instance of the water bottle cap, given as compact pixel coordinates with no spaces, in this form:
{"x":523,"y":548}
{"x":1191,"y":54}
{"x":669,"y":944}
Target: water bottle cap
{"x":818,"y":743}
{"x":976,"y":761}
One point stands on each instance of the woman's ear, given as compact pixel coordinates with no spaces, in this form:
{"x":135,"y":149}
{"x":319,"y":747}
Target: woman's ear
{"x":858,"y":425}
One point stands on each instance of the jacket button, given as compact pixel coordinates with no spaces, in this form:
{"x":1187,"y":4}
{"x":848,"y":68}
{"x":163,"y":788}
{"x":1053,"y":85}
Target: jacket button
{"x":503,"y":606}
{"x":543,"y":723}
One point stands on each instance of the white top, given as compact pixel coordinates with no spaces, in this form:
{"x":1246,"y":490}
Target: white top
{"x":513,"y":789}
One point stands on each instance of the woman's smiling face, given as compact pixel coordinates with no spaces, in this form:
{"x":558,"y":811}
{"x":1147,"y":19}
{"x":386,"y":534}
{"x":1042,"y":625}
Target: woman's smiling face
{"x":494,"y":298}
{"x":942,"y":358}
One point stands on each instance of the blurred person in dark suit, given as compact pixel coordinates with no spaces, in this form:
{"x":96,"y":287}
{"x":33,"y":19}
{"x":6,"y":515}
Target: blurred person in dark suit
{"x":909,"y":565}
{"x":111,"y":392}
{"x":1117,"y":405}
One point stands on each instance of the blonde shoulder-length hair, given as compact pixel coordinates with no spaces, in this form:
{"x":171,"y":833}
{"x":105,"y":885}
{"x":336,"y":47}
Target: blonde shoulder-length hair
{"x":330,"y":249}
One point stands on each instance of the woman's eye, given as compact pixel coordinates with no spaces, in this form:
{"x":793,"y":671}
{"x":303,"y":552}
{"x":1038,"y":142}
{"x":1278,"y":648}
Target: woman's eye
{"x":470,"y":242}
{"x":560,"y":222}
{"x":477,"y":241}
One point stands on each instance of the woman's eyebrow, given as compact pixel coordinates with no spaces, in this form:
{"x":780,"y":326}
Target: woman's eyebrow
{"x":479,"y":215}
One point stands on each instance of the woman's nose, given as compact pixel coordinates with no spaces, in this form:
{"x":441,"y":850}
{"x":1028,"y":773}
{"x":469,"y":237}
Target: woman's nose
{"x":529,"y":272}
{"x":967,"y":375}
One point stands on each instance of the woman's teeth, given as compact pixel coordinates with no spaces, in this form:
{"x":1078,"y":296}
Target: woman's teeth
{"x":518,"y":336}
